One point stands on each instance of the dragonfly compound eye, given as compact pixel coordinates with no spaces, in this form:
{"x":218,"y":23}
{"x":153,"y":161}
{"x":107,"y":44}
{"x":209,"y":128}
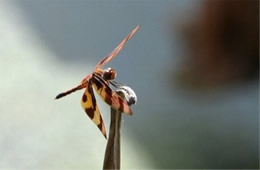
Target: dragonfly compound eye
{"x":109,"y":74}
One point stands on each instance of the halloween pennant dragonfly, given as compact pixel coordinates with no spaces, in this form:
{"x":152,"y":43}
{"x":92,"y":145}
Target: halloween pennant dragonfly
{"x":99,"y":80}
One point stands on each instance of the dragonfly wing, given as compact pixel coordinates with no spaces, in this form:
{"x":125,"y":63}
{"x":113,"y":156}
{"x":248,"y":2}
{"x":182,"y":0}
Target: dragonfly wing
{"x":109,"y":96}
{"x":111,"y":55}
{"x":89,"y":104}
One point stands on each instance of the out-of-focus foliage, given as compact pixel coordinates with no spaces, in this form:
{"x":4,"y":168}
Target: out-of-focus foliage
{"x":222,"y":43}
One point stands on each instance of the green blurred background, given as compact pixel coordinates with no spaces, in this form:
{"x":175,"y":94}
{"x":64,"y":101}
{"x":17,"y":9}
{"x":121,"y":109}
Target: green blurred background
{"x":194,"y":66}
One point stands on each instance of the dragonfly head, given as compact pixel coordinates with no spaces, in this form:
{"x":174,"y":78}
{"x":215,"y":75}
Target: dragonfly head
{"x":109,"y":74}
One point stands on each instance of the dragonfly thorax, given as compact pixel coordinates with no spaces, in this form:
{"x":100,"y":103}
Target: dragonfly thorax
{"x":109,"y":74}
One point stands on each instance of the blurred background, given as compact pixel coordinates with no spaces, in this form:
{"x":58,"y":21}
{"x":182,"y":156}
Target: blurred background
{"x":194,"y":66}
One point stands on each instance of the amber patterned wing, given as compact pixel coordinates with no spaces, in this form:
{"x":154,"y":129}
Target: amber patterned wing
{"x":89,"y":105}
{"x":111,"y":55}
{"x":109,"y":96}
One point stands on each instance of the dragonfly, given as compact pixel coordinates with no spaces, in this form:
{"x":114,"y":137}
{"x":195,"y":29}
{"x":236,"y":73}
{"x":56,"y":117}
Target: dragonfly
{"x":100,"y":80}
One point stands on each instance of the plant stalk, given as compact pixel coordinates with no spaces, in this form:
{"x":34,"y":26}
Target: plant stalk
{"x":112,"y":154}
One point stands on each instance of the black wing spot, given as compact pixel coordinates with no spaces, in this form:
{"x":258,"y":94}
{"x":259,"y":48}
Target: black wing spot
{"x":90,"y":112}
{"x":84,"y":98}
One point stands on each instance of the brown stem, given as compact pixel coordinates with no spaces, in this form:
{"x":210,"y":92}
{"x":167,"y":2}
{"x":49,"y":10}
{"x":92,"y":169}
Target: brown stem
{"x":112,"y":154}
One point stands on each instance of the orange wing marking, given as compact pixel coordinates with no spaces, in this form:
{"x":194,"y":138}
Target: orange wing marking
{"x":109,"y":96}
{"x":89,"y":104}
{"x":111,"y":55}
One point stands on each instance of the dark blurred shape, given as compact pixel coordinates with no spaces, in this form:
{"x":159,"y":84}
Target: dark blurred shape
{"x":222,"y":44}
